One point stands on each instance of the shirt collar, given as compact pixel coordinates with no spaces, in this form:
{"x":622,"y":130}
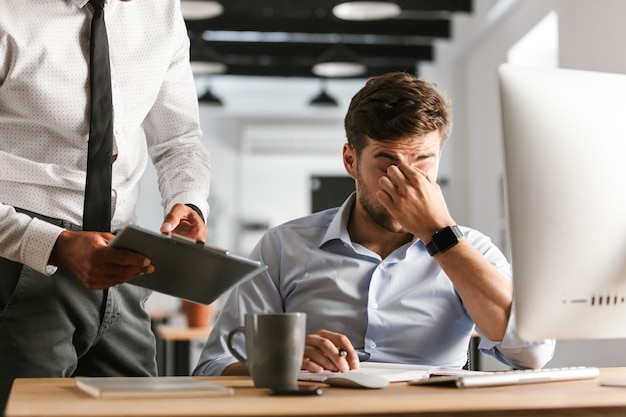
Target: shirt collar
{"x":338,"y":227}
{"x":80,"y":3}
{"x":83,"y":3}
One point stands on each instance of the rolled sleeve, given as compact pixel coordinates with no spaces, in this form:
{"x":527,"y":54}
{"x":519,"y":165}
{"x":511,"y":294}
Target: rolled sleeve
{"x":516,"y":352}
{"x":216,"y":356}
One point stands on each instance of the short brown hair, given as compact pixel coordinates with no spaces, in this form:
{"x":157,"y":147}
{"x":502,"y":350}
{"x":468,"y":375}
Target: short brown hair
{"x":395,"y":106}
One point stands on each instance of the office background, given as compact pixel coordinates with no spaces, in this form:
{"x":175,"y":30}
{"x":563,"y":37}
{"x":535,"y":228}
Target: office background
{"x":267,"y":142}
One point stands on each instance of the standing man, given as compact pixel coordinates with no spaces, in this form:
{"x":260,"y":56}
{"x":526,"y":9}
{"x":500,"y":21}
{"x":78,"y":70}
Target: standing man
{"x":388,"y":276}
{"x":64,"y":308}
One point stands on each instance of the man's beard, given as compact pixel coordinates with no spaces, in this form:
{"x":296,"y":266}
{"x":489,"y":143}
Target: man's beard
{"x":377,"y":213}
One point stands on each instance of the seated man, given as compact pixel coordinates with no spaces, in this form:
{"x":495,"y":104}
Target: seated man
{"x":388,"y":276}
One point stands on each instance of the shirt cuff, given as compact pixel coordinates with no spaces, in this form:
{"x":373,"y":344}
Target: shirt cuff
{"x":38,"y":241}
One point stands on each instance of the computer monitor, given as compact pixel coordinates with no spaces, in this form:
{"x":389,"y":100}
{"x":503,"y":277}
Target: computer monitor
{"x":564,"y":135}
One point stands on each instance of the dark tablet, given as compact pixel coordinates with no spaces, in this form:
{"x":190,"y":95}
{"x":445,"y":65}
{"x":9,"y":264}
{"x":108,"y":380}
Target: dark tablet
{"x":185,"y":268}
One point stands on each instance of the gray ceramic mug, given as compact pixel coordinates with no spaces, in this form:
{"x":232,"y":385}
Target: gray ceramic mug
{"x":274,"y":347}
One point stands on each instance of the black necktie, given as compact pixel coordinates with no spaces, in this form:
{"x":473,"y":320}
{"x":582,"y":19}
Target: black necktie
{"x":97,"y":209}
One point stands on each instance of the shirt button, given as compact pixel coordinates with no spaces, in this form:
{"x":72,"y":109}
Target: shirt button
{"x":375,"y":305}
{"x":381,"y":266}
{"x":373,"y":345}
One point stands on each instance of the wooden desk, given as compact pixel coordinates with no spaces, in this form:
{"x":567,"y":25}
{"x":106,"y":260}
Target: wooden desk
{"x":176,"y":345}
{"x":60,"y":397}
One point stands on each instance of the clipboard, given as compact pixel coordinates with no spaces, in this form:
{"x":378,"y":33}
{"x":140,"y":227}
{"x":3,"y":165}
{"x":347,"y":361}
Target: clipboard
{"x":185,"y":268}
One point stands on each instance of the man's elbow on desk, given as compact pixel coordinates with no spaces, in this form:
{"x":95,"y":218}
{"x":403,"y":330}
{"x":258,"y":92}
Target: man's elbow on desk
{"x":236,"y":369}
{"x":534,"y":356}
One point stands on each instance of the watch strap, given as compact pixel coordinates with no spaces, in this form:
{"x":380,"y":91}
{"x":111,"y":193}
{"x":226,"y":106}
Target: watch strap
{"x":196,"y":209}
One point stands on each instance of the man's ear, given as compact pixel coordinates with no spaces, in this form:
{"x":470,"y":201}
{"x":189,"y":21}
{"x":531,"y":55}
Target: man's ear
{"x":349,"y":159}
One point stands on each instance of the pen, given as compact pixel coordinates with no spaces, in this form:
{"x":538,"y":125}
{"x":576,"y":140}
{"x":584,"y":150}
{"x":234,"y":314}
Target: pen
{"x":342,"y":352}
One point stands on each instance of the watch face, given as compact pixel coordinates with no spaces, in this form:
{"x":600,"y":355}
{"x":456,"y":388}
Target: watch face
{"x":444,"y":240}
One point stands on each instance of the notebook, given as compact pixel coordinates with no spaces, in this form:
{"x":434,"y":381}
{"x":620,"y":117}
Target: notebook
{"x":185,"y":268}
{"x":393,"y":372}
{"x":150,"y":387}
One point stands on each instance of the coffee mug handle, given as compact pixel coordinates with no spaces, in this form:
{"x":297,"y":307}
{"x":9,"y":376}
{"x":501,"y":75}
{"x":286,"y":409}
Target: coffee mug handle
{"x":232,"y":349}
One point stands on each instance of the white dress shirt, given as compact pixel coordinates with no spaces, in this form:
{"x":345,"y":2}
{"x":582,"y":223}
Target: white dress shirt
{"x":401,"y":309}
{"x":44,"y":115}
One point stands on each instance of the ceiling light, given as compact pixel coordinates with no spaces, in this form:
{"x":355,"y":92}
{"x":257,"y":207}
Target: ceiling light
{"x":366,"y":10}
{"x":206,"y":67}
{"x":195,"y":10}
{"x":339,"y":61}
{"x":210,"y":99}
{"x":323,"y":99}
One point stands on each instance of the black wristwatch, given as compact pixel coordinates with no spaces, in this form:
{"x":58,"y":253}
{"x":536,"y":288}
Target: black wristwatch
{"x":444,"y":239}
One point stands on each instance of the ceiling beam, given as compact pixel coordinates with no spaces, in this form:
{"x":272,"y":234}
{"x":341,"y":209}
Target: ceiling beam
{"x":430,"y":28}
{"x":320,"y":8}
{"x":301,"y":71}
{"x":307,"y":50}
{"x":297,"y":59}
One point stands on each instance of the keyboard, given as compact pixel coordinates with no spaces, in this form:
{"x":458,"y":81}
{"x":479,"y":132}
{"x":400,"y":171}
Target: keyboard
{"x":513,"y":377}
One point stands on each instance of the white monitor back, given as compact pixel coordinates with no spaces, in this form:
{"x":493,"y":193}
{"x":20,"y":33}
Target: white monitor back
{"x":565,"y":182}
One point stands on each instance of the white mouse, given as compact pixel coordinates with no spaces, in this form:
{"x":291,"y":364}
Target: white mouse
{"x":357,"y":380}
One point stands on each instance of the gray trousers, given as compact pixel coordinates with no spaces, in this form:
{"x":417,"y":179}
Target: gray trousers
{"x":54,"y":327}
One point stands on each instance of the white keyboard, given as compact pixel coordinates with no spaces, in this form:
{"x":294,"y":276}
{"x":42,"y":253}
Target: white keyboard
{"x":525,"y":376}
